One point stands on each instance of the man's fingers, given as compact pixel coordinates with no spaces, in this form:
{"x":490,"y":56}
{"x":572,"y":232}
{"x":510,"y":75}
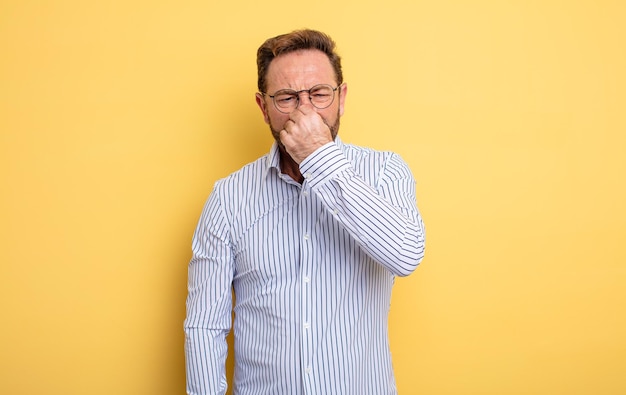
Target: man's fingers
{"x":284,"y":135}
{"x":302,"y":110}
{"x":289,"y":125}
{"x":305,"y":108}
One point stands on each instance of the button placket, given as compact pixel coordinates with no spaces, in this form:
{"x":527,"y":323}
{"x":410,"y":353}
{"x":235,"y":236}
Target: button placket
{"x":305,"y":206}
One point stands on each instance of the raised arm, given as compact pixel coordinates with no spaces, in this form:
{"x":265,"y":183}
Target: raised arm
{"x":383,"y":218}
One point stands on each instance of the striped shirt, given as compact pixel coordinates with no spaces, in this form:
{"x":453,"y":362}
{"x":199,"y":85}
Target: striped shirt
{"x":311,"y":267}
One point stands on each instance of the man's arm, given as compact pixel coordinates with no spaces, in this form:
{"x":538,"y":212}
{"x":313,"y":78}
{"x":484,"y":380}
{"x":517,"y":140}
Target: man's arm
{"x":384,"y":219}
{"x":209,"y":302}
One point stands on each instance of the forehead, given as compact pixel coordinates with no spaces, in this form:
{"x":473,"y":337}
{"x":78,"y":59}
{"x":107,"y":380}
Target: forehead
{"x":300,"y":70}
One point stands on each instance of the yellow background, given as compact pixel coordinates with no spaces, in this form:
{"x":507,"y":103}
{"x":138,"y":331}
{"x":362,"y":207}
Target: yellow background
{"x":116,"y":118}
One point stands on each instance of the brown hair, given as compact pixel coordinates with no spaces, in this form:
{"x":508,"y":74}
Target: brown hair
{"x":291,"y":42}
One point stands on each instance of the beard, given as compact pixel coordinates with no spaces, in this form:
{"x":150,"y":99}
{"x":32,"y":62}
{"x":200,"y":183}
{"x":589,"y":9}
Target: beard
{"x":334,"y":130}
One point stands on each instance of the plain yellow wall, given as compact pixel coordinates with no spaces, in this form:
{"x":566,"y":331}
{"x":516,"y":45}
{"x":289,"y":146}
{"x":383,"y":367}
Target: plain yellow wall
{"x":116,"y":118}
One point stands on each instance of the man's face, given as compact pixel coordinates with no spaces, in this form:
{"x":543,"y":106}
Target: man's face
{"x":301,"y":70}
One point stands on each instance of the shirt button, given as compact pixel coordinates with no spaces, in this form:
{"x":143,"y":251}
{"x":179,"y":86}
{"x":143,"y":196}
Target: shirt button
{"x":306,"y":236}
{"x":307,"y":175}
{"x":307,"y":370}
{"x":307,"y":325}
{"x":306,"y":280}
{"x":305,"y":194}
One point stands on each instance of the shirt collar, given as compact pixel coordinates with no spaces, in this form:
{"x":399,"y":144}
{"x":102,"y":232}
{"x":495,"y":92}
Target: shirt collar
{"x":273,"y":158}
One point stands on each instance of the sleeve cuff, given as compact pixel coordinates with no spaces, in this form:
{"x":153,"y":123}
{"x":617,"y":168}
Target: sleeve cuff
{"x":323,"y":164}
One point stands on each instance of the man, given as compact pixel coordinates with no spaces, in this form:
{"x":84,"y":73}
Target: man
{"x":309,"y":238}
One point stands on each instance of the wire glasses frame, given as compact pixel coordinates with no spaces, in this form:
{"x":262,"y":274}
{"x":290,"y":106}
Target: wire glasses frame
{"x":286,"y":100}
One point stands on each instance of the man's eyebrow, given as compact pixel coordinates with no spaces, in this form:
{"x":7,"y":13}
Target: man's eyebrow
{"x":284,"y":90}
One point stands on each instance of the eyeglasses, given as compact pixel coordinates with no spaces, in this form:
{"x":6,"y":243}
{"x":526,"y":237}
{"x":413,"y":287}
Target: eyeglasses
{"x":287,"y":100}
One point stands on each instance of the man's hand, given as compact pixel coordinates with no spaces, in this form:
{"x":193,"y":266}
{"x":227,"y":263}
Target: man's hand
{"x":304,"y":132}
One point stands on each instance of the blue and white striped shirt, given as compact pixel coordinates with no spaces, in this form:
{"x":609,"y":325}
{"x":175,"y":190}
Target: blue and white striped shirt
{"x":311,"y":266}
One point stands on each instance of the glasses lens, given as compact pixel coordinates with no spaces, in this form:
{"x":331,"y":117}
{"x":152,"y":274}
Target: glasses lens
{"x":286,"y":100}
{"x":322,"y":96}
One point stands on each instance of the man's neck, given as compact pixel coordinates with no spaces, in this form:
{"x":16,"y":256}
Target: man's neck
{"x":289,"y":166}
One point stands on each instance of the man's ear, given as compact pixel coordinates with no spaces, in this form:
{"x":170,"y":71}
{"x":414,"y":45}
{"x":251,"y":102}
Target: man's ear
{"x":342,"y":97}
{"x":260,"y":101}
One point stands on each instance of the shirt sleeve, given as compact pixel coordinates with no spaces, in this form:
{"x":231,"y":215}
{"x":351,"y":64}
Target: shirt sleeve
{"x":382,"y":218}
{"x":209,"y":302}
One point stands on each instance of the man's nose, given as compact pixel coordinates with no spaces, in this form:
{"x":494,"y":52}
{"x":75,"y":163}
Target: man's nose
{"x":304,"y":97}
